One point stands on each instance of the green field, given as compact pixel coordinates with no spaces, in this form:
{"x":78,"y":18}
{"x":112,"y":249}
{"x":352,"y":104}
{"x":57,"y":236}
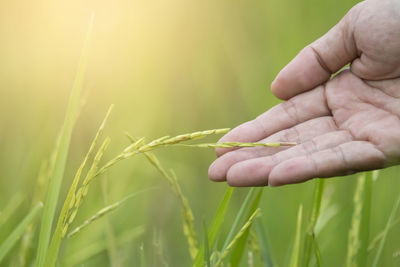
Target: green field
{"x":168,"y":67}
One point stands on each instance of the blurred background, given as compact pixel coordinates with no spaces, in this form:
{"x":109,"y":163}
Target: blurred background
{"x":169,"y":67}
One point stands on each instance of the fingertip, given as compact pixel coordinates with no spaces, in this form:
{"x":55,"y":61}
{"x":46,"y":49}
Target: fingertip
{"x":277,"y":88}
{"x":215,"y":173}
{"x":235,"y":178}
{"x":274,"y":179}
{"x":248,"y":173}
{"x":292,"y":171}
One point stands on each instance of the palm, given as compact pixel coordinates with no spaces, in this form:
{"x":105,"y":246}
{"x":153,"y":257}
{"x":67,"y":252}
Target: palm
{"x":368,"y":112}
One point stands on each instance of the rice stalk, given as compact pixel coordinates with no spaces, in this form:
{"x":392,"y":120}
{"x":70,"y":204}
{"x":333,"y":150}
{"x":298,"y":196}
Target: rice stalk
{"x":239,"y":144}
{"x":10,"y":241}
{"x":12,"y":205}
{"x":188,"y":218}
{"x":139,"y":146}
{"x":294,"y":261}
{"x":102,"y":212}
{"x":359,"y":232}
{"x":45,"y":172}
{"x":187,"y":214}
{"x":385,"y":232}
{"x":143,"y":262}
{"x":181,"y":138}
{"x":71,"y":199}
{"x":379,"y":236}
{"x":158,"y":246}
{"x":207,"y":257}
{"x":254,"y":248}
{"x":27,"y":238}
{"x":252,"y":205}
{"x":240,"y":216}
{"x":112,"y":248}
{"x":70,"y":209}
{"x":97,"y":247}
{"x":253,"y":243}
{"x":230,"y":246}
{"x":264,"y":243}
{"x":310,"y":240}
{"x":61,"y":156}
{"x":214,"y":227}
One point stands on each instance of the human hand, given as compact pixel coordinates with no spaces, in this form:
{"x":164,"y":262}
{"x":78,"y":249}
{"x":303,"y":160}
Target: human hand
{"x":347,"y":124}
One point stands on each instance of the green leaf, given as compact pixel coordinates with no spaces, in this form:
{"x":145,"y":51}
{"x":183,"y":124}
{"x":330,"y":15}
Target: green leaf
{"x":386,"y":231}
{"x":96,"y":247}
{"x":10,"y":241}
{"x":240,"y":216}
{"x":64,"y":220}
{"x":104,"y":211}
{"x":250,"y":207}
{"x":214,"y":227}
{"x":61,"y":157}
{"x":206,"y":247}
{"x":143,"y":262}
{"x":10,"y":208}
{"x":310,"y":240}
{"x":263,"y":241}
{"x":237,"y":237}
{"x":357,"y":249}
{"x":379,"y":236}
{"x":294,"y":261}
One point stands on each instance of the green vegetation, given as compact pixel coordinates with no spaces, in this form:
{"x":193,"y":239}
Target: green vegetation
{"x":167,"y":71}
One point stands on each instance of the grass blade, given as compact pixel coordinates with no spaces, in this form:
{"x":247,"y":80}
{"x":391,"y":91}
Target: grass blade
{"x":237,"y":237}
{"x":94,"y":248}
{"x":386,"y":231}
{"x":239,"y":249}
{"x":214,"y":227}
{"x":310,"y":240}
{"x":104,"y":211}
{"x":10,"y":208}
{"x":61,"y":157}
{"x":240,"y":216}
{"x":318,"y":257}
{"x":72,"y":200}
{"x":294,"y":261}
{"x":112,"y":249}
{"x":187,"y":214}
{"x":27,"y":239}
{"x":10,"y":241}
{"x":70,"y":208}
{"x":143,"y":262}
{"x":263,"y":241}
{"x":359,"y":233}
{"x":378,"y":237}
{"x":206,"y":247}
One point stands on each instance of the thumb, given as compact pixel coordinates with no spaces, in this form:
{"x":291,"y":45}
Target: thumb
{"x":318,"y":61}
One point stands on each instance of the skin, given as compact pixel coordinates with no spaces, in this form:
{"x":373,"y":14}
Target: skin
{"x":342,"y":124}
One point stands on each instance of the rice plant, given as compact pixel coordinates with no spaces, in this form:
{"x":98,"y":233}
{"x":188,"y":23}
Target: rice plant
{"x":90,"y":198}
